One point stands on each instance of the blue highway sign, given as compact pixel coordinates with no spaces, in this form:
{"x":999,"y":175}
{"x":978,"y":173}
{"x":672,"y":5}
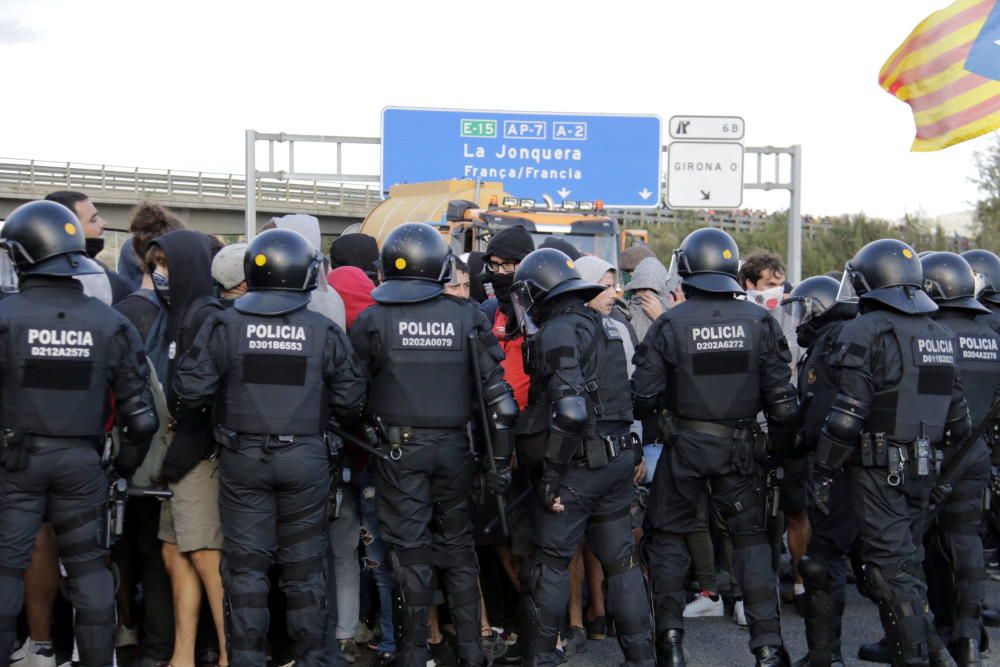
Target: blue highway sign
{"x":614,"y":158}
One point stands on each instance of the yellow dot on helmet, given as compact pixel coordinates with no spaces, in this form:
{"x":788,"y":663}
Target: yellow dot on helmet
{"x":727,"y":253}
{"x":570,"y":264}
{"x":260,"y":260}
{"x":907,"y":254}
{"x":70,"y":228}
{"x":400,"y":263}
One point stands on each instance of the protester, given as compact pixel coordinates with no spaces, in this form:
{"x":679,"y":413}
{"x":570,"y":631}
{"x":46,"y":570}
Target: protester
{"x":228,"y":273}
{"x":111,"y":288}
{"x":189,"y":523}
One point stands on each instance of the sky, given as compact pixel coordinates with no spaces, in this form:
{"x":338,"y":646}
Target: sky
{"x":175,"y":84}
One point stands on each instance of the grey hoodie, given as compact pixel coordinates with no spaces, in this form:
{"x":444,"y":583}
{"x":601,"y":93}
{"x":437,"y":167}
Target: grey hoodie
{"x":325,"y":299}
{"x":649,"y":274}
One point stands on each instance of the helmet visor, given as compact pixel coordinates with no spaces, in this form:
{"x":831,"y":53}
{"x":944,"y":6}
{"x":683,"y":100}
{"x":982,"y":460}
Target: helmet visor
{"x":674,"y":273}
{"x":847,"y":293}
{"x":982,"y":282}
{"x":520,"y":298}
{"x":8,"y":275}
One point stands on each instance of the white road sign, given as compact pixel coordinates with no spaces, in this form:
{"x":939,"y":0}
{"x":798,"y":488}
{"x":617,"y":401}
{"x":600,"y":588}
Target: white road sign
{"x":721,"y":128}
{"x":704,"y":175}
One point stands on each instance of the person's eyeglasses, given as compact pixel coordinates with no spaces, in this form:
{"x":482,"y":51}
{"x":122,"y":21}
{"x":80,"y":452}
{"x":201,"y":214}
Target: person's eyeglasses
{"x":505,"y":267}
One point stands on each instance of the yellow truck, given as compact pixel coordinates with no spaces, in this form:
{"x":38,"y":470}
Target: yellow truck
{"x":468,"y":213}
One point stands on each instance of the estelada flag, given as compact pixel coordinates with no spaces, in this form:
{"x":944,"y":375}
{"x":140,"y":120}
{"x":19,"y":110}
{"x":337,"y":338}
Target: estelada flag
{"x":948,"y":71}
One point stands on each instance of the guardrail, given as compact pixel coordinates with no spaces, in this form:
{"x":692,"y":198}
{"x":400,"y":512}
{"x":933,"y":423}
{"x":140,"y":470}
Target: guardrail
{"x":34,"y":178}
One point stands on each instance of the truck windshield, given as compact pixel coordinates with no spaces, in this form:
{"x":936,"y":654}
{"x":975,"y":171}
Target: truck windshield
{"x":601,"y":245}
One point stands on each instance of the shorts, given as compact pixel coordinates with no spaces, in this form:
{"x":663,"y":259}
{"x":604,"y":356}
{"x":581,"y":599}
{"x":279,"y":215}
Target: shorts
{"x":795,"y":485}
{"x":190,"y":519}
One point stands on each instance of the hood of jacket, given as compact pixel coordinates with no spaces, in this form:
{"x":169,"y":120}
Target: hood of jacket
{"x":189,"y":261}
{"x":649,"y":274}
{"x":354,"y":287}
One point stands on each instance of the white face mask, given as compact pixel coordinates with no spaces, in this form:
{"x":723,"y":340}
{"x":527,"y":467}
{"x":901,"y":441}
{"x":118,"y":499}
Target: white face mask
{"x":769,"y":298}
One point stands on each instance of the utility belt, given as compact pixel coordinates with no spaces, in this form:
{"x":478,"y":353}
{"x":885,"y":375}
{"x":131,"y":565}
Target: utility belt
{"x":15,"y":446}
{"x":35,"y":443}
{"x":915,"y":458}
{"x":599,"y":450}
{"x":235,"y":441}
{"x":750,"y":444}
{"x":399,"y":436}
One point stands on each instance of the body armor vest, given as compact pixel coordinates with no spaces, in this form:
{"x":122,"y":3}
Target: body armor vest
{"x":817,"y":383}
{"x":56,"y":371}
{"x":920,"y":401}
{"x":978,"y":360}
{"x":718,"y":358}
{"x":604,"y":367}
{"x":274,"y":384}
{"x":422,"y":373}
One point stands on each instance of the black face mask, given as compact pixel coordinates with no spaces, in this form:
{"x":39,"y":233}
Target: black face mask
{"x":94,"y":246}
{"x":502,"y":283}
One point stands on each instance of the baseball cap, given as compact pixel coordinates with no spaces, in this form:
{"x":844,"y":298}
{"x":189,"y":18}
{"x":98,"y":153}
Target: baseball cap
{"x":227,"y":265}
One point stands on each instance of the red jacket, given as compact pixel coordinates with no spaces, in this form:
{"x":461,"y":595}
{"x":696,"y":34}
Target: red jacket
{"x":513,"y":363}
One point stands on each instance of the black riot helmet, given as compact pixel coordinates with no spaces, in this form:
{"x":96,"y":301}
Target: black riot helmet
{"x":813,"y":304}
{"x":44,"y":238}
{"x":707,"y":259}
{"x":951,"y":282}
{"x":886,"y":271}
{"x":415,"y":264}
{"x":987,"y":265}
{"x":281,"y":269}
{"x":542,"y":276}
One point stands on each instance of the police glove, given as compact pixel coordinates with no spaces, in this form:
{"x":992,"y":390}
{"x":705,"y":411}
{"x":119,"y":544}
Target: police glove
{"x":819,"y":489}
{"x":552,"y":473}
{"x":498,"y":479}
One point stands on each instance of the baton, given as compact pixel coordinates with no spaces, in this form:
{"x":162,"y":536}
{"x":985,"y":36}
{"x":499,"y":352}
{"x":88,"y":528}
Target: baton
{"x":491,"y":464}
{"x":357,"y":442}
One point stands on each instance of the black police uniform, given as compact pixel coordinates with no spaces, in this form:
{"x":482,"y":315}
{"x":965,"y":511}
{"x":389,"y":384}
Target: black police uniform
{"x":717,"y":362}
{"x":956,"y":531}
{"x":63,"y":356}
{"x":579,"y":354}
{"x":824,"y":567}
{"x":275,"y":373}
{"x":418,"y":360}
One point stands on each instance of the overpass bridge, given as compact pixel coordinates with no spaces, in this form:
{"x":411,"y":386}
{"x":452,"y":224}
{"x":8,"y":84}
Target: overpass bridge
{"x":212,"y":203}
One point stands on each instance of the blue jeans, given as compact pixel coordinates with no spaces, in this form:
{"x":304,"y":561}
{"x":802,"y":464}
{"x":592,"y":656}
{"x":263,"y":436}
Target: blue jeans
{"x":376,"y":559}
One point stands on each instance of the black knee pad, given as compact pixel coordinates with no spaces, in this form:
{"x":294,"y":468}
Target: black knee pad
{"x":813,"y":572}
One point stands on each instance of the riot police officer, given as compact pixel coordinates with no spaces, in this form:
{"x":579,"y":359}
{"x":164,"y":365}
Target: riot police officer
{"x":273,"y":373}
{"x":954,"y":539}
{"x":818,"y":318}
{"x":63,"y":356}
{"x":577,"y":361}
{"x":417,"y":345}
{"x":897,"y":395}
{"x":986,"y":266}
{"x":714,"y":362}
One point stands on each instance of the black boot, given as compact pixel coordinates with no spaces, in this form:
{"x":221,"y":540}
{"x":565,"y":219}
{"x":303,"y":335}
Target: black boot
{"x":772,"y":656}
{"x":876,"y":652}
{"x":966,"y":652}
{"x":670,"y":649}
{"x":836,"y":660}
{"x":939,"y":657}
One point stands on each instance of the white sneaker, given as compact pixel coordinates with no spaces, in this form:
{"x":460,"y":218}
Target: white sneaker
{"x":702,"y":606}
{"x":739,"y":614}
{"x":29,"y":656}
{"x":126,"y":636}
